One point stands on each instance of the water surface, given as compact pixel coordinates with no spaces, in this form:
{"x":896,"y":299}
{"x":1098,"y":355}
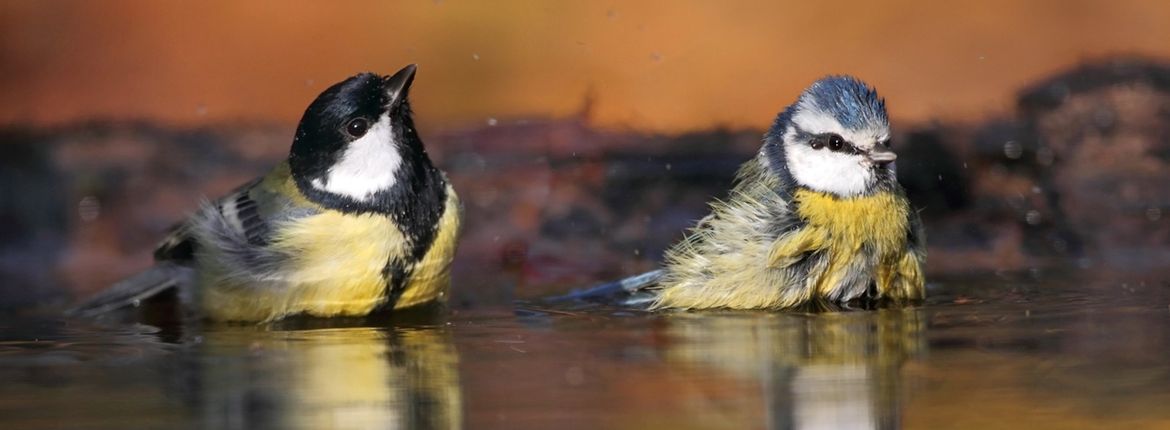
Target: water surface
{"x":1071,"y":350}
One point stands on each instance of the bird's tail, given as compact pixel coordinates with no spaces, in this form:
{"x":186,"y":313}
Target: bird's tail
{"x":133,"y":290}
{"x":621,"y":290}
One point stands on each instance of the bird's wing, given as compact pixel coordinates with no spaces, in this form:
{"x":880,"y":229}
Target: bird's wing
{"x":240,"y":226}
{"x":793,"y":247}
{"x":180,"y":244}
{"x":242,"y":221}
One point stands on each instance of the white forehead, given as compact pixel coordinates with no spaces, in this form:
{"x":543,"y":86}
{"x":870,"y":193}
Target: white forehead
{"x":810,"y":118}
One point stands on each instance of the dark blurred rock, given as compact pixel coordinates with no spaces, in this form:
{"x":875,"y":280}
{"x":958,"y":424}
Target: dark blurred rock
{"x":32,"y":220}
{"x":1078,"y":174}
{"x":1102,"y":135}
{"x":1091,"y":77}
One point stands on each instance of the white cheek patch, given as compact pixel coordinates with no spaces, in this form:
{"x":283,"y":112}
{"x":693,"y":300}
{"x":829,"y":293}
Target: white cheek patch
{"x":827,"y":171}
{"x":366,"y":166}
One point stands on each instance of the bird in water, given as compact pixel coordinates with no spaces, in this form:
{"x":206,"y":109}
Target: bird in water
{"x":356,"y":220}
{"x":817,"y":217}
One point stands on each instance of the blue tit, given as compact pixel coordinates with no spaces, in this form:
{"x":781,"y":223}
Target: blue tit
{"x":357,"y":219}
{"x":817,"y":217}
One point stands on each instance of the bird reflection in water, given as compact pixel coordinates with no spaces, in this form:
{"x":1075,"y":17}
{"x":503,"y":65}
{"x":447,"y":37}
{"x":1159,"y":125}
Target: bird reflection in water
{"x":838,"y":370}
{"x":328,"y":377}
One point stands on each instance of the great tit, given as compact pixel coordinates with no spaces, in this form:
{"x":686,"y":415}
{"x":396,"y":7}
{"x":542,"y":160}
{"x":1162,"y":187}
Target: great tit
{"x":816,"y":218}
{"x":357,"y":219}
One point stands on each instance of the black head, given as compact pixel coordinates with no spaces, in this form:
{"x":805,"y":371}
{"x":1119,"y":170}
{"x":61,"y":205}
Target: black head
{"x":356,"y":143}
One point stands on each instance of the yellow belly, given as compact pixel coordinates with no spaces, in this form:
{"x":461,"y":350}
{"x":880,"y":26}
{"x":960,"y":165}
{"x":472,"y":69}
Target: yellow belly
{"x":335,"y":269}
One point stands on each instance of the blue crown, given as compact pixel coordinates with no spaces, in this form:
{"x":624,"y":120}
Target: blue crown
{"x":851,"y":102}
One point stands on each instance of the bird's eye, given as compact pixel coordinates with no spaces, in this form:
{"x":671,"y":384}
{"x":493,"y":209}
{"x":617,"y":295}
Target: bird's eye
{"x":817,"y":143}
{"x":357,"y":127}
{"x":836,"y":143}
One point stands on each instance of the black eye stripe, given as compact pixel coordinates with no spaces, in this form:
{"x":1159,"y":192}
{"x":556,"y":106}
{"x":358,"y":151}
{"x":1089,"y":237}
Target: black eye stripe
{"x":834,"y":142}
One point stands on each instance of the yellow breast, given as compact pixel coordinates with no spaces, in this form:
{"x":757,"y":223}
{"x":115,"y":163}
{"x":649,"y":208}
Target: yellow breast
{"x":878,"y":222}
{"x":880,"y":219}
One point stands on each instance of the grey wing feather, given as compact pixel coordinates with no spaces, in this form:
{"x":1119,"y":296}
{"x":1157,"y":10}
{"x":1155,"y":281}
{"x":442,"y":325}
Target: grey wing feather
{"x":239,"y":228}
{"x":175,"y":254}
{"x":629,"y":287}
{"x":133,"y":290}
{"x":180,"y":243}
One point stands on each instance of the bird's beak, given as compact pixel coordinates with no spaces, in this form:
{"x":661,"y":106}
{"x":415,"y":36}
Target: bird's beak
{"x":398,"y":85}
{"x":880,"y":155}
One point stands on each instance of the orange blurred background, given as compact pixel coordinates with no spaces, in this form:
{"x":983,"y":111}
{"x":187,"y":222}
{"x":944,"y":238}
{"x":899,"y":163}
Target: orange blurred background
{"x":653,"y":65}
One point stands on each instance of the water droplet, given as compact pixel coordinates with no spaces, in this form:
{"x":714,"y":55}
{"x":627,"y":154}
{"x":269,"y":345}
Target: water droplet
{"x":475,"y":57}
{"x":1033,"y":217}
{"x":1060,"y":245}
{"x":1154,"y":214}
{"x":491,"y":122}
{"x":668,"y":166}
{"x":1013,"y":150}
{"x":1036,"y":190}
{"x":89,"y":208}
